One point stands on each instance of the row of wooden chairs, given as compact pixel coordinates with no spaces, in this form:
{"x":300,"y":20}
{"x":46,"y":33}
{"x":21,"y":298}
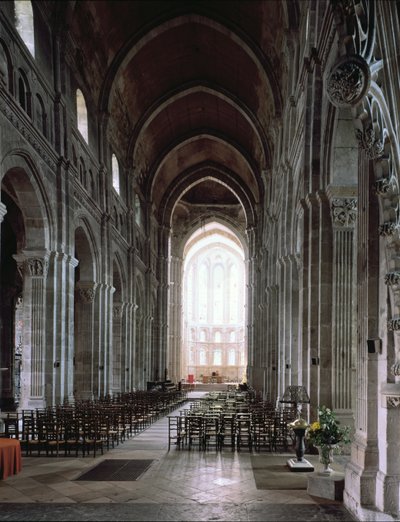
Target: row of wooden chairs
{"x":88,"y":427}
{"x":204,"y":429}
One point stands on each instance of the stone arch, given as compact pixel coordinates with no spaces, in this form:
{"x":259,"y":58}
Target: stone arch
{"x":201,"y":317}
{"x":26,"y":240}
{"x":167,"y":99}
{"x":86,"y":357}
{"x":137,"y":41}
{"x":6,"y":67}
{"x":191,"y":177}
{"x":22,"y":180}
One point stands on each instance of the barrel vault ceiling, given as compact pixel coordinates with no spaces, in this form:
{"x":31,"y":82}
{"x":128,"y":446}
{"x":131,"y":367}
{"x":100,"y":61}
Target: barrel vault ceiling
{"x":192,"y":90}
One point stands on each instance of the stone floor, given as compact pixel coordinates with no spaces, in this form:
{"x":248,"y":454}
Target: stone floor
{"x":180,"y":485}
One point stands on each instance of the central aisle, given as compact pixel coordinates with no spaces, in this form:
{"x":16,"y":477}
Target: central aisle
{"x":180,"y":485}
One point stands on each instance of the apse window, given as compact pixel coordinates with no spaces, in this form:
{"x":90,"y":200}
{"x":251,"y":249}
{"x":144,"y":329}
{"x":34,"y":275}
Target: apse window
{"x":213,"y":299}
{"x":24,"y":23}
{"x":82,"y":116}
{"x":115,"y":173}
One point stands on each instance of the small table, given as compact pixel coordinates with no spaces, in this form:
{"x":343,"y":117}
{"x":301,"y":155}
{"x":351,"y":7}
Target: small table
{"x":10,"y":457}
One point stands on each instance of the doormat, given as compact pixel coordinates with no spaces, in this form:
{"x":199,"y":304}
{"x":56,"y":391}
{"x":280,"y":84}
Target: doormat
{"x":272,"y":472}
{"x":117,"y":470}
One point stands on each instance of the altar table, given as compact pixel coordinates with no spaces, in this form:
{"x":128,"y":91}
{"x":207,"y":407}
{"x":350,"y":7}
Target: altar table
{"x":10,"y":457}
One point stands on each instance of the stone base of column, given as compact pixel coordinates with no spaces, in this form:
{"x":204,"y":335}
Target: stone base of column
{"x":36,"y":403}
{"x":326,"y":486}
{"x":360,"y":487}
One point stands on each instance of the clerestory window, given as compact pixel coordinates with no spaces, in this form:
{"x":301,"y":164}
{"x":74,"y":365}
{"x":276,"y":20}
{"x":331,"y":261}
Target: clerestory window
{"x":24,"y":23}
{"x":82,"y":117}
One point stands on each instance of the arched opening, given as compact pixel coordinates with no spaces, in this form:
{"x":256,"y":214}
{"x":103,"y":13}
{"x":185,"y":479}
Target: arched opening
{"x":115,"y":173}
{"x":213,"y":345}
{"x":81,"y":115}
{"x":11,"y":315}
{"x":24,"y":23}
{"x":86,"y":361}
{"x":24,"y":265}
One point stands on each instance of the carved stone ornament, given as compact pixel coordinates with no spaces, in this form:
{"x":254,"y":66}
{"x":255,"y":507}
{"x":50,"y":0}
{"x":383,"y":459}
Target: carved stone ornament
{"x":344,"y":212}
{"x":394,"y":324}
{"x":86,"y":293}
{"x":393,"y":402}
{"x":372,"y":146}
{"x":382,"y":186}
{"x":392,"y":278}
{"x":36,"y":267}
{"x":388,"y":228}
{"x":117,"y":311}
{"x":348,"y":82}
{"x":395,"y":369}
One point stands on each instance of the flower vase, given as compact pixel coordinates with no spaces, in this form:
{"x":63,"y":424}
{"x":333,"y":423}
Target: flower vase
{"x":326,"y":458}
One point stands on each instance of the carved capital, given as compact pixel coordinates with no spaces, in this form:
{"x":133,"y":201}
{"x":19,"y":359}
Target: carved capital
{"x":369,"y":143}
{"x":348,"y":82}
{"x":85,"y":292}
{"x":36,"y":266}
{"x":395,"y":369}
{"x":382,"y":186}
{"x":117,"y":311}
{"x":393,"y":324}
{"x":393,"y":402}
{"x":344,"y":212}
{"x":392,"y":278}
{"x":388,"y":228}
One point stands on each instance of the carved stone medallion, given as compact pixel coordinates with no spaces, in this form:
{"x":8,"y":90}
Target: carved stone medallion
{"x":348,"y":82}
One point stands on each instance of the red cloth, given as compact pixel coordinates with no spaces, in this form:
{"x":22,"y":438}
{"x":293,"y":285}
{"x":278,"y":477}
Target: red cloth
{"x":10,"y":457}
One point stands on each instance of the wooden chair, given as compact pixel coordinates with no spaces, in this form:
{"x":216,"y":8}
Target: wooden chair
{"x":176,"y":431}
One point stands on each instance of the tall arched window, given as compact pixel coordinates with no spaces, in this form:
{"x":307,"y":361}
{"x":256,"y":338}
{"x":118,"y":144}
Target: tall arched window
{"x":5,"y":67}
{"x":115,"y":173}
{"x":24,"y":95}
{"x":217,"y":337}
{"x":40,"y":115}
{"x":202,"y":357}
{"x":232,"y":357}
{"x":217,"y":358}
{"x":233,"y":294}
{"x":218,"y":287}
{"x":203,"y":287}
{"x":24,"y":23}
{"x":82,"y":117}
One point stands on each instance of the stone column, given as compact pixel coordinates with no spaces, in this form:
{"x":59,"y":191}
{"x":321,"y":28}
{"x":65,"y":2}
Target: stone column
{"x":360,"y":479}
{"x":344,"y":218}
{"x":311,"y":353}
{"x":388,"y":478}
{"x":175,"y":319}
{"x":34,"y":266}
{"x":60,"y":328}
{"x":69,"y":324}
{"x":161,"y":339}
{"x":251,"y":298}
{"x":103,"y":347}
{"x":3,"y":212}
{"x":85,"y":369}
{"x":117,"y":359}
{"x":128,"y":325}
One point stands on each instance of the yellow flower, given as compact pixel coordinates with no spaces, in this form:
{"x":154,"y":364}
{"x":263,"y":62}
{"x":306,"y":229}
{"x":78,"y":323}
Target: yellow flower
{"x":315,"y":426}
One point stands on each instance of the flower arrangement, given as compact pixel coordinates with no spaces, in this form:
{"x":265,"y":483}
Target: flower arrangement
{"x":326,"y":431}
